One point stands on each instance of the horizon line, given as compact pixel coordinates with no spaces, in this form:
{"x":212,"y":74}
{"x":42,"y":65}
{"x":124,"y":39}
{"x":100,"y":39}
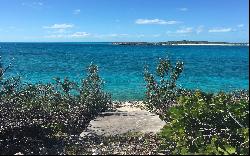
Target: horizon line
{"x":108,"y":41}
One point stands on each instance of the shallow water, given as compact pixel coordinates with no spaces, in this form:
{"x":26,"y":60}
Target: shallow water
{"x":210,"y":68}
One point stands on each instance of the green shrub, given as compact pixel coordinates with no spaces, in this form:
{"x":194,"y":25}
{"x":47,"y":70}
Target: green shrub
{"x":160,"y":95}
{"x":197,"y":122}
{"x":92,"y":94}
{"x":208,"y":124}
{"x":33,"y":116}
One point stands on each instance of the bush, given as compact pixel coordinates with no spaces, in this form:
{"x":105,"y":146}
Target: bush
{"x":92,"y":94}
{"x":161,"y":95}
{"x":197,"y":122}
{"x":209,"y":124}
{"x":34,"y":116}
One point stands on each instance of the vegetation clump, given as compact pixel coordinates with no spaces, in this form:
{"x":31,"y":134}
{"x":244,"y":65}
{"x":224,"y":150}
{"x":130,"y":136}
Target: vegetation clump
{"x":208,"y":124}
{"x":161,"y":91}
{"x":33,"y":117}
{"x":123,"y":144}
{"x":197,"y":122}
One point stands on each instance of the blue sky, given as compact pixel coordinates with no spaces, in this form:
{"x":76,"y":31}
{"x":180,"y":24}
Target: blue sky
{"x":123,"y":20}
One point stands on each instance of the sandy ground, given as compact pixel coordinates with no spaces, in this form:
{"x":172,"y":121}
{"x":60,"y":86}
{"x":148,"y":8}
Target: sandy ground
{"x":127,"y":117}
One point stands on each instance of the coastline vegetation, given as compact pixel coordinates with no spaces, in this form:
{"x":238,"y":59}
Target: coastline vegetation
{"x":48,"y":118}
{"x":197,"y":122}
{"x":36,"y":116}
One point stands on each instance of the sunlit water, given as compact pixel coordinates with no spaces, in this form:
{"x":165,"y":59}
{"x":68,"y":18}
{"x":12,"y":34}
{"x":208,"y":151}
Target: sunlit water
{"x":210,"y":68}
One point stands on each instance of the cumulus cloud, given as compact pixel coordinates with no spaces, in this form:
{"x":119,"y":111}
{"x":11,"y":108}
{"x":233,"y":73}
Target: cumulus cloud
{"x":220,"y":30}
{"x":76,"y":12}
{"x":185,"y":30}
{"x":59,"y":26}
{"x":155,"y":21}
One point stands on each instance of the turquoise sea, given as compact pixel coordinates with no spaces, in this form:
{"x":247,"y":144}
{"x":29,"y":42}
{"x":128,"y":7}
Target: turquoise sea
{"x":210,"y":68}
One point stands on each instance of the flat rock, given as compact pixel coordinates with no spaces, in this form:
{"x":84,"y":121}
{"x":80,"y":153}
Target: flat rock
{"x":127,"y":118}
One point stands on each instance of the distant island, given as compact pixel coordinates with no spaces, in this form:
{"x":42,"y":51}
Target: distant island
{"x":183,"y":42}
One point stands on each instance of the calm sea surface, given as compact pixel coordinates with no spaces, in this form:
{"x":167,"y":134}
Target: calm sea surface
{"x":210,"y":68}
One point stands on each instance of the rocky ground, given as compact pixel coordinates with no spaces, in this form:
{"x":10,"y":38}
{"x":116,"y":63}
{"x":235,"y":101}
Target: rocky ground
{"x":129,"y":130}
{"x":128,"y":117}
{"x":123,"y":144}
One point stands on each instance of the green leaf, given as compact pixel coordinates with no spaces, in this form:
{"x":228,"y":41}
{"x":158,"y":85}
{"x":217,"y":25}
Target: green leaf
{"x":223,"y":151}
{"x":230,"y":149}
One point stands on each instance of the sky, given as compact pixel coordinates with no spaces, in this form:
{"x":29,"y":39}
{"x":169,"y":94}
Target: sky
{"x":123,"y":20}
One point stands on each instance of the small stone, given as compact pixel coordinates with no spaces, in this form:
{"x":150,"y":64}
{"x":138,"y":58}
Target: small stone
{"x":95,"y":152}
{"x":19,"y":153}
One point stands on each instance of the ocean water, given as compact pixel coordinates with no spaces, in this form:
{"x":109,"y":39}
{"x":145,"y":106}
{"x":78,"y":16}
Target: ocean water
{"x":210,"y":68}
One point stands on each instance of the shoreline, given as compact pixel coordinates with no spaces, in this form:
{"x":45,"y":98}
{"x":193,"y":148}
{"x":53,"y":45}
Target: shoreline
{"x":180,"y":43}
{"x":205,"y":45}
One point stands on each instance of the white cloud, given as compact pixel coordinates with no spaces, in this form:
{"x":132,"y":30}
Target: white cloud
{"x":183,"y":9}
{"x":155,"y":21}
{"x":240,"y":25}
{"x":185,"y":30}
{"x":79,"y":34}
{"x":76,"y":12}
{"x":59,"y":26}
{"x":220,"y":30}
{"x":199,"y":29}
